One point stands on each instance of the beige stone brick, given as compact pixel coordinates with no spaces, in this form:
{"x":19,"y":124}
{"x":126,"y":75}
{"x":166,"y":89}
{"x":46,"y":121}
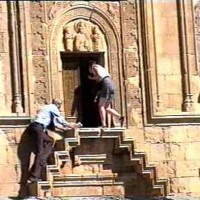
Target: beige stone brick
{"x":10,"y":135}
{"x":3,"y":138}
{"x":12,"y":155}
{"x":114,"y":190}
{"x":153,"y":135}
{"x":165,"y":169}
{"x":157,"y":152}
{"x":136,"y":133}
{"x":194,"y":186}
{"x":176,"y":151}
{"x":165,"y":6}
{"x":76,"y":191}
{"x":187,"y":168}
{"x":173,"y":27}
{"x":175,"y":60}
{"x":176,"y":134}
{"x":164,"y":66}
{"x":9,"y":189}
{"x":9,"y":174}
{"x":192,"y":150}
{"x":174,"y":102}
{"x":180,"y":185}
{"x":173,"y":84}
{"x":171,"y":45}
{"x":3,"y":155}
{"x":193,"y":134}
{"x":183,"y":186}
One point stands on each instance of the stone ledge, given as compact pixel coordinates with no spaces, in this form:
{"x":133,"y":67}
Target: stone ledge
{"x":100,"y":132}
{"x":14,"y":121}
{"x":85,"y":177}
{"x":172,"y":120}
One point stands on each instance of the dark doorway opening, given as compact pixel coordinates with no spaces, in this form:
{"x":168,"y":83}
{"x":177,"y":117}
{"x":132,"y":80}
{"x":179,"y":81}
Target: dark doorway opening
{"x":75,"y":65}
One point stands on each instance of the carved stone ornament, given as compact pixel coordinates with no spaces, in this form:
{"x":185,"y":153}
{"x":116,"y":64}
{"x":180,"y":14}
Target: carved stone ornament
{"x":68,"y":38}
{"x":82,"y":36}
{"x":96,"y":39}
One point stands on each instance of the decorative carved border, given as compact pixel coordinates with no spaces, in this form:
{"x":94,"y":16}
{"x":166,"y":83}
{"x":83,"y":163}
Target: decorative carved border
{"x":152,"y":103}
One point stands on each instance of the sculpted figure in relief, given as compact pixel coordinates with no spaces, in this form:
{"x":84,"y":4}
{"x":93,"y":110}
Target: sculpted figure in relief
{"x":95,"y":37}
{"x":81,"y":40}
{"x":68,"y":39}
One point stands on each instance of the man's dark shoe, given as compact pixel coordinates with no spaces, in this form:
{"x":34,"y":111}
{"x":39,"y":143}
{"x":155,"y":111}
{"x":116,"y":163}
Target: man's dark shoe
{"x":121,"y":119}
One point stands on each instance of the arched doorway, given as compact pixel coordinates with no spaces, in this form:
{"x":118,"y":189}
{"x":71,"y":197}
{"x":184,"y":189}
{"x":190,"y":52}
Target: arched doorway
{"x":65,"y":37}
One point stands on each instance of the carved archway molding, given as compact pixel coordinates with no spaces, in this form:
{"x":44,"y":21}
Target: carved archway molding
{"x":113,"y":54}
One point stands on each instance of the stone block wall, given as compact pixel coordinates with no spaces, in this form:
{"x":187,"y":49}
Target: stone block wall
{"x":174,"y":152}
{"x":15,"y":158}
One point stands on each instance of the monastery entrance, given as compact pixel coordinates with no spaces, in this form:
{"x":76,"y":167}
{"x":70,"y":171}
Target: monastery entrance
{"x":79,"y":91}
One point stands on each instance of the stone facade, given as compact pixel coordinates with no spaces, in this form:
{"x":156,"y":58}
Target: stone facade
{"x":151,"y":49}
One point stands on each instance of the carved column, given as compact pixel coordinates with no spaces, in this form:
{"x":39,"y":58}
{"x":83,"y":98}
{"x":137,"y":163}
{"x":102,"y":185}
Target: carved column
{"x":15,"y":63}
{"x":2,"y":86}
{"x":197,"y":33}
{"x":185,"y":17}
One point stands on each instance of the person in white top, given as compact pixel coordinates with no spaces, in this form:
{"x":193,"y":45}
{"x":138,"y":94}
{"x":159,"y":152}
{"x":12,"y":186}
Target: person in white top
{"x":106,"y":93}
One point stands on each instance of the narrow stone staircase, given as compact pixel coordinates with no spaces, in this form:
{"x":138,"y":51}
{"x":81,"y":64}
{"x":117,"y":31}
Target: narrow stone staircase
{"x":110,"y":166}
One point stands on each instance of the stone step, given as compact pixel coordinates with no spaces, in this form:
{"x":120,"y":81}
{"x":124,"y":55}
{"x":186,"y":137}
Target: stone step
{"x":88,"y":154}
{"x":84,"y":177}
{"x":72,"y":142}
{"x":96,"y":176}
{"x":51,"y":171}
{"x":88,"y":188}
{"x":140,"y":157}
{"x":61,"y":157}
{"x":89,"y":132}
{"x":112,"y":132}
{"x":100,"y":132}
{"x":95,"y":158}
{"x":76,"y":188}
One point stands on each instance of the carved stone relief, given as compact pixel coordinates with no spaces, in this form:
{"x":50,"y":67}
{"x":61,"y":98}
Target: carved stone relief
{"x":68,"y":39}
{"x":82,"y":36}
{"x":55,"y":7}
{"x":111,"y":10}
{"x":96,"y":39}
{"x":81,"y":39}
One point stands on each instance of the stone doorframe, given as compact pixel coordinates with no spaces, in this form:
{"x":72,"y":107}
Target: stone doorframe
{"x":96,"y":16}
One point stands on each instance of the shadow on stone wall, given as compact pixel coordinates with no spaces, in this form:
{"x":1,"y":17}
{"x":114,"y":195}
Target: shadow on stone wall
{"x":25,"y":148}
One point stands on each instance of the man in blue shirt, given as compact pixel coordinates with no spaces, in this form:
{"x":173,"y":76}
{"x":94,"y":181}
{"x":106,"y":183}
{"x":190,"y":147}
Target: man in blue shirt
{"x":38,"y":131}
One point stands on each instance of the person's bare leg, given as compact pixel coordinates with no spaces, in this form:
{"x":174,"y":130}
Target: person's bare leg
{"x":113,"y":112}
{"x":116,"y":114}
{"x":102,"y":112}
{"x":109,"y":117}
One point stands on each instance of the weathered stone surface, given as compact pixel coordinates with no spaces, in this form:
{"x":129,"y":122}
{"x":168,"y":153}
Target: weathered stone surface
{"x":150,"y":53}
{"x":76,"y":191}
